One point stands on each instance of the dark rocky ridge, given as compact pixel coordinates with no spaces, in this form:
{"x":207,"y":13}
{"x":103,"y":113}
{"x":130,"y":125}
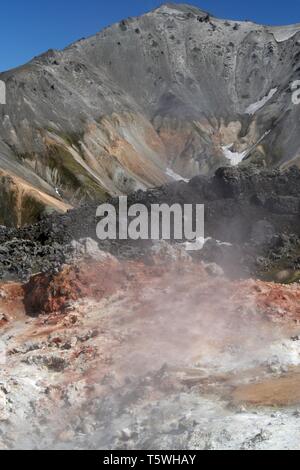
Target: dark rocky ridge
{"x":256,"y":211}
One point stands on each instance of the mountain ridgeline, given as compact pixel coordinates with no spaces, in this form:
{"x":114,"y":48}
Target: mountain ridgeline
{"x":169,"y":95}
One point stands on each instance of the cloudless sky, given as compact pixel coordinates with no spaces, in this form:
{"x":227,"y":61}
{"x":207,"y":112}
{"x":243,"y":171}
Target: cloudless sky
{"x":30,"y":27}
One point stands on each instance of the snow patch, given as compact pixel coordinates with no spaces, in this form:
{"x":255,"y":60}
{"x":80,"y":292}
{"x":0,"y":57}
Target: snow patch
{"x":284,"y":33}
{"x":57,"y":192}
{"x":261,"y":103}
{"x":199,"y":243}
{"x":196,"y":245}
{"x":234,"y":157}
{"x":175,"y":176}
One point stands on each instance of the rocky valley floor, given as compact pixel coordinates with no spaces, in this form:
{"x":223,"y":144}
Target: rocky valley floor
{"x":127,"y":355}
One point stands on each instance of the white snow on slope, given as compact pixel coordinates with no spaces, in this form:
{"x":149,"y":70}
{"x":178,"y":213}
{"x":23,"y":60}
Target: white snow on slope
{"x":196,"y":245}
{"x":199,"y":243}
{"x":175,"y":176}
{"x":234,"y":157}
{"x":259,"y":104}
{"x":283,"y":33}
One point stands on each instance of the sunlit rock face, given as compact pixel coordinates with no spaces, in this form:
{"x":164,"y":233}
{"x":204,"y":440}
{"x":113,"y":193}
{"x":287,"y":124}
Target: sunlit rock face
{"x":175,"y":89}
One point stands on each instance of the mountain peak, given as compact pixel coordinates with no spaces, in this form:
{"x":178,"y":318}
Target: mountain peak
{"x":182,"y":8}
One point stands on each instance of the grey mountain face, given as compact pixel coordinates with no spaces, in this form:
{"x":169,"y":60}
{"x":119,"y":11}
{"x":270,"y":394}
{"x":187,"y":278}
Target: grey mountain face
{"x":168,"y":95}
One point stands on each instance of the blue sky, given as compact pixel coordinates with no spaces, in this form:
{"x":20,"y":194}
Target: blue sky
{"x":29,"y":27}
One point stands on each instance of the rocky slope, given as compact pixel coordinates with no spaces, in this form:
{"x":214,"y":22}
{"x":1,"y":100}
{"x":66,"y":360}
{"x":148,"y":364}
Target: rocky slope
{"x":171,"y":94}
